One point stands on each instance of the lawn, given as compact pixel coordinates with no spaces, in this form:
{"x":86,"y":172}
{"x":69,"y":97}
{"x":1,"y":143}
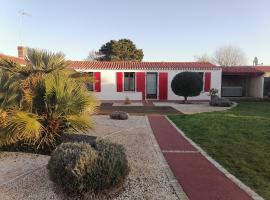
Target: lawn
{"x":239,"y":139}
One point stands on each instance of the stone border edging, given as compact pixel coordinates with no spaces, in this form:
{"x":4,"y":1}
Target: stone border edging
{"x":235,"y":180}
{"x":174,"y":183}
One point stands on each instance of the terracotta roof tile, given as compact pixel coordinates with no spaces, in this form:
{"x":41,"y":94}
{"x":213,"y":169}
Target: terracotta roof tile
{"x":140,"y":65}
{"x":240,"y":70}
{"x":14,"y":59}
{"x":263,"y":68}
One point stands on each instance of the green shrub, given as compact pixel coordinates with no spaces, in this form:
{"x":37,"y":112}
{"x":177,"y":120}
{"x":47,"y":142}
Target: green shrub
{"x":70,"y":163}
{"x":112,"y":165}
{"x":78,"y":168}
{"x":187,"y":84}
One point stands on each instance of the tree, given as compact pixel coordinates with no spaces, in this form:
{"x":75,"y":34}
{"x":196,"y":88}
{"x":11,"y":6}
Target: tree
{"x":187,"y":84}
{"x":121,"y":50}
{"x":202,"y":58}
{"x":224,"y":56}
{"x":93,"y":55}
{"x":229,"y":56}
{"x":50,"y":103}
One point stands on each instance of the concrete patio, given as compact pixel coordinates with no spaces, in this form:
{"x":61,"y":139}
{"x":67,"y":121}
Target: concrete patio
{"x":192,"y":108}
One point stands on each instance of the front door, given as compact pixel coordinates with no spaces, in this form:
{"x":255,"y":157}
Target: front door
{"x":151,"y":85}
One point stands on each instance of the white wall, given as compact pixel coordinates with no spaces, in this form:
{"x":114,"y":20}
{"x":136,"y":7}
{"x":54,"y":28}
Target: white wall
{"x":108,"y":84}
{"x":215,"y":83}
{"x":256,"y":86}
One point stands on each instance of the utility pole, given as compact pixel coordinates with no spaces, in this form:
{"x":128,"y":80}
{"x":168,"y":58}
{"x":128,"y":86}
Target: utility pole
{"x":22,"y":14}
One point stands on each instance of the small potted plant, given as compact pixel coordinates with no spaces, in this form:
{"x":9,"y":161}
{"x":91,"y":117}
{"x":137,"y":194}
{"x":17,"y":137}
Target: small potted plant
{"x":127,"y":101}
{"x":213,"y":93}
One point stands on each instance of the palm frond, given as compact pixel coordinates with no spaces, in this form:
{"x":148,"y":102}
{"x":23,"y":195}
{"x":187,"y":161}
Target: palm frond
{"x":81,"y":122}
{"x":22,"y":126}
{"x":45,"y":61}
{"x":67,"y":96}
{"x":32,"y":92}
{"x":9,"y":91}
{"x":8,"y":65}
{"x":15,"y":69}
{"x":83,"y":77}
{"x":3,"y":119}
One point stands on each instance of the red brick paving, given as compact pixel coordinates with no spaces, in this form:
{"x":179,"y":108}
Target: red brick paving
{"x":168,"y":138}
{"x":199,"y":178}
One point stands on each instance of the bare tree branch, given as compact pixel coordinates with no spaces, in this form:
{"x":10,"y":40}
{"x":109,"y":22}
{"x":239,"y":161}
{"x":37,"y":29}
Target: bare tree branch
{"x":203,"y":58}
{"x":230,"y":56}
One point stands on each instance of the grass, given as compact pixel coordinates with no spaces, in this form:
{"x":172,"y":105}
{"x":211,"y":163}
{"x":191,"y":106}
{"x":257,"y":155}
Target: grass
{"x":239,"y":139}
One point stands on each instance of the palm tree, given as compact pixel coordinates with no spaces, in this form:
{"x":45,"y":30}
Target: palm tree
{"x":8,"y":91}
{"x":37,"y":62}
{"x":51,"y":102}
{"x":8,"y":96}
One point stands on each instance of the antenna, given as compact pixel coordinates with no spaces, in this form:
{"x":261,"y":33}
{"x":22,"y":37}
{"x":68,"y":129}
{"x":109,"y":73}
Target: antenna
{"x":22,"y":14}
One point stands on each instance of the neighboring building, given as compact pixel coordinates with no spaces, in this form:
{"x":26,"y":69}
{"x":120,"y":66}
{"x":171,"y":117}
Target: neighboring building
{"x":19,"y":59}
{"x":152,"y":80}
{"x":145,"y":80}
{"x":266,"y":71}
{"x":244,"y":81}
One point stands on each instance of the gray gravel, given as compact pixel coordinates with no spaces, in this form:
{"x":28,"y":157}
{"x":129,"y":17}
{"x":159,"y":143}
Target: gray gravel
{"x":147,"y":180}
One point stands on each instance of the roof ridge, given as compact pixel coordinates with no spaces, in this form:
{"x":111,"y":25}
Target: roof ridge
{"x":140,"y":65}
{"x":94,"y":61}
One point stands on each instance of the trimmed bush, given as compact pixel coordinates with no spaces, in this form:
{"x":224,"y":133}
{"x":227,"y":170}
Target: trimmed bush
{"x":187,"y":84}
{"x":78,"y":168}
{"x":112,"y":165}
{"x":70,"y":163}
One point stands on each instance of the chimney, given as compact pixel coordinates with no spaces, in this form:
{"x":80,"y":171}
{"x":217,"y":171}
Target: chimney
{"x":22,"y":52}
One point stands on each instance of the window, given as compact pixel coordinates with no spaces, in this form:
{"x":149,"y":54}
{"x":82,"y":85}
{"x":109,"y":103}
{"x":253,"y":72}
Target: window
{"x":129,"y":81}
{"x":90,"y":84}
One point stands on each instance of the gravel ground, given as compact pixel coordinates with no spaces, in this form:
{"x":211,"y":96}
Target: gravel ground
{"x":148,"y":178}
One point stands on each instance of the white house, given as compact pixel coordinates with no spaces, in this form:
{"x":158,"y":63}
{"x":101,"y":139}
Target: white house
{"x":145,"y":80}
{"x":152,"y":80}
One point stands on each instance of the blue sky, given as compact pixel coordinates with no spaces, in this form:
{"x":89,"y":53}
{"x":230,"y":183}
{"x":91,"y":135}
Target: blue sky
{"x":166,"y":30}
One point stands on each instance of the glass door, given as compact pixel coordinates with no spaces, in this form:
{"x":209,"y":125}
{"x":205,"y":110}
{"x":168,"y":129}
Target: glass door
{"x":151,"y":85}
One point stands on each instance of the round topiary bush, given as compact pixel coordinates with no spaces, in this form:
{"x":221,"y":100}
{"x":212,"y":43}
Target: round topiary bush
{"x":78,"y":168}
{"x":187,"y":84}
{"x":112,"y":165}
{"x":70,"y":163}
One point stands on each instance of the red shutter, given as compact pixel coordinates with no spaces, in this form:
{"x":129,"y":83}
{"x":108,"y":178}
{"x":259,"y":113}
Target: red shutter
{"x":140,"y":80}
{"x":163,"y":86}
{"x":97,"y":82}
{"x":207,"y":81}
{"x":119,"y":81}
